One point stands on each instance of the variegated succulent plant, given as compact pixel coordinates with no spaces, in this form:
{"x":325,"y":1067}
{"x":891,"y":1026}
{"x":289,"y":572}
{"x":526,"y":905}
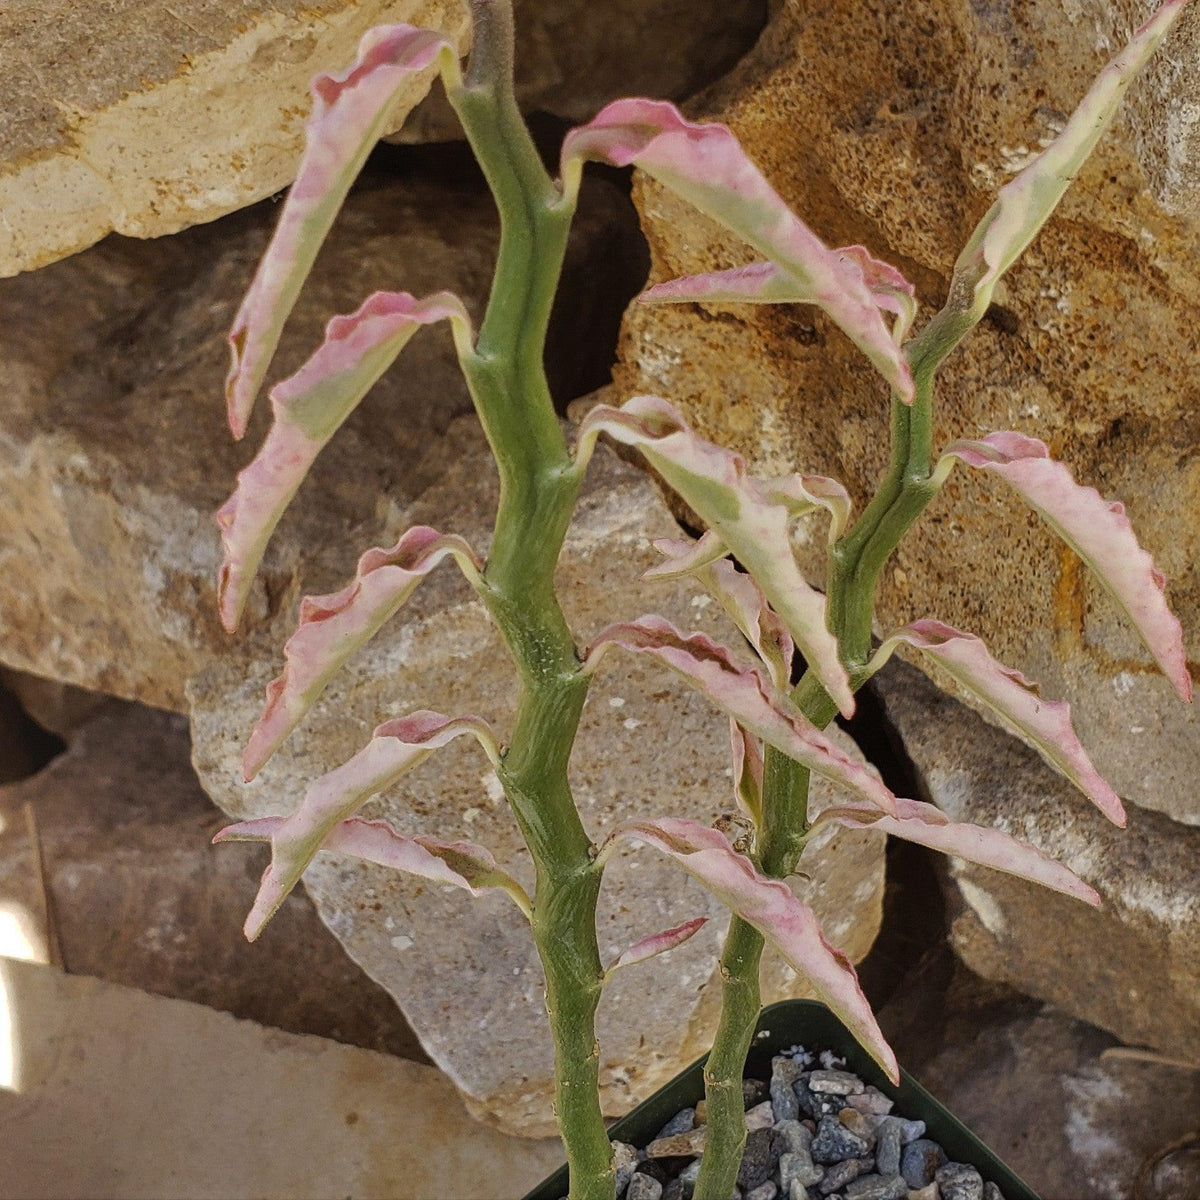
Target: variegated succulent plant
{"x":777,"y":737}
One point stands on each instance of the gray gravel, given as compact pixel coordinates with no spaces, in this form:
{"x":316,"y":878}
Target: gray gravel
{"x":958,"y":1181}
{"x":920,"y":1162}
{"x":815,"y":1131}
{"x":644,"y":1187}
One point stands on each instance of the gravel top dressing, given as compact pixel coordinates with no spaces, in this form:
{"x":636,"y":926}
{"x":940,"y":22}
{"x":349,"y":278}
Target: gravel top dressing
{"x":815,"y":1131}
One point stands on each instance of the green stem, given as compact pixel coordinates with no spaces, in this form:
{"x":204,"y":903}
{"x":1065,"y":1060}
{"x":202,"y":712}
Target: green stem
{"x":723,"y":1103}
{"x":538,"y":492}
{"x":855,"y":567}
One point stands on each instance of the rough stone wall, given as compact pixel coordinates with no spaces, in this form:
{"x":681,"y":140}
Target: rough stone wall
{"x":891,"y":125}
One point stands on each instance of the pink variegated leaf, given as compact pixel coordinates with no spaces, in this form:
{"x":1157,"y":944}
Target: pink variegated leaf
{"x":656,"y":943}
{"x":309,"y":407}
{"x":1046,"y":724}
{"x":458,"y":863}
{"x":707,"y":167}
{"x":929,"y":826}
{"x":766,"y":283}
{"x":750,"y":521}
{"x":747,"y":695}
{"x":755,"y":283}
{"x":394,"y":750}
{"x":787,"y":923}
{"x":801,"y":494}
{"x":335,"y":626}
{"x":748,"y":769}
{"x":1096,"y":529}
{"x":1024,"y":204}
{"x":684,"y":557}
{"x":739,"y":596}
{"x":349,"y":114}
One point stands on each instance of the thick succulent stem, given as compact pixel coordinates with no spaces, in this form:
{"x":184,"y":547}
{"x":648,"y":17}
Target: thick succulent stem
{"x":538,"y":492}
{"x":855,"y":566}
{"x":723,"y":1103}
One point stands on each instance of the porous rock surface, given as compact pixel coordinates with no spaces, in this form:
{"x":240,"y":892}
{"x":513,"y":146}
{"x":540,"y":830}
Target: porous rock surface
{"x":465,"y":971}
{"x":891,"y":125}
{"x":145,"y":118}
{"x":1131,"y":966}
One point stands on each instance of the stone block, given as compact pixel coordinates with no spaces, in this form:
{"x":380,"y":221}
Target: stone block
{"x":1131,"y":966}
{"x":117,"y":1095}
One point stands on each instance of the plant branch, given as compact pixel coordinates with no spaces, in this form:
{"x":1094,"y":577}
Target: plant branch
{"x":855,"y":566}
{"x":538,"y":493}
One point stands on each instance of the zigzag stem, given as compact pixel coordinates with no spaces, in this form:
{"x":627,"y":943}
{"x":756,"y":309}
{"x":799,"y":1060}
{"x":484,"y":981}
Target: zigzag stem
{"x":855,"y":566}
{"x":538,"y":492}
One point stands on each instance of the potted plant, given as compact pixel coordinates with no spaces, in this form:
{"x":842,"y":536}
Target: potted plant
{"x":806,"y":652}
{"x":808,"y":1022}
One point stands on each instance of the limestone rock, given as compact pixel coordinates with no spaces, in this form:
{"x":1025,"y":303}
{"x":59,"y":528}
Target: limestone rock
{"x":1070,"y":1110}
{"x":138,"y":896}
{"x":114,"y":453}
{"x":890,"y":125}
{"x":147,"y":118}
{"x":465,"y":971}
{"x":1133,"y":965}
{"x":120,"y":1094}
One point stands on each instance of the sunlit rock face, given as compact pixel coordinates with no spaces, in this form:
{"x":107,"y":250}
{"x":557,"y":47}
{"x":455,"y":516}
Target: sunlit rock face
{"x":146,"y":118}
{"x":892,"y":125}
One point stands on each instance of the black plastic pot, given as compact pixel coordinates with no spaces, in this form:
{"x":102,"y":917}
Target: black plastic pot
{"x":809,"y":1023}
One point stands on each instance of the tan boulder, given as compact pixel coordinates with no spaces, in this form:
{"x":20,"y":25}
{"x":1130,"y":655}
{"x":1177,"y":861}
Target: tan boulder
{"x":146,"y":119}
{"x":1131,"y":966}
{"x":891,"y":125}
{"x":465,"y":971}
{"x":113,"y":448}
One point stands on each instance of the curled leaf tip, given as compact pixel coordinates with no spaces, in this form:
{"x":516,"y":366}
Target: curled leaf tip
{"x":747,"y":516}
{"x":1016,"y":700}
{"x":395,"y":749}
{"x":658,"y":943}
{"x":738,"y":595}
{"x":926,"y":825}
{"x":308,"y":408}
{"x":771,"y":907}
{"x":707,"y":167}
{"x":745,"y":693}
{"x":768,"y":283}
{"x":1025,"y":203}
